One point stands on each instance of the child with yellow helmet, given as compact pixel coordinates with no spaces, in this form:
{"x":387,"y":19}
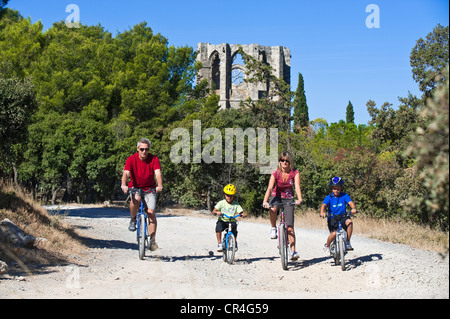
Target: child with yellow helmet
{"x":230,"y":207}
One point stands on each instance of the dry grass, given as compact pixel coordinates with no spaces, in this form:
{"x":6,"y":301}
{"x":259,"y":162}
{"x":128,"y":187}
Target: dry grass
{"x":33,"y":219}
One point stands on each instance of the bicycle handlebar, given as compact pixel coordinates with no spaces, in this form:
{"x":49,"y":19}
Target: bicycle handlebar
{"x":231,"y":217}
{"x":140,"y":191}
{"x":347,"y":213}
{"x":282,"y":204}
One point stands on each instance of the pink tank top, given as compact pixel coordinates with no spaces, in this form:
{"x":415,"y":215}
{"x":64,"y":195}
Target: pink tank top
{"x":284,"y":189}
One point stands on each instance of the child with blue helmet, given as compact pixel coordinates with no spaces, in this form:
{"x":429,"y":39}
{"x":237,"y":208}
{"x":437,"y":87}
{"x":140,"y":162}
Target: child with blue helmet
{"x":336,"y":203}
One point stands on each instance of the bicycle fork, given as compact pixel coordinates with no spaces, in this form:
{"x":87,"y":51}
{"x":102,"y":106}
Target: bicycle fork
{"x":138,"y":221}
{"x":225,"y":237}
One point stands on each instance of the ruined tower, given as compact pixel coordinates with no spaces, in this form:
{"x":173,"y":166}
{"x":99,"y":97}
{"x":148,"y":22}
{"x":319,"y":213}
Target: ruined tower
{"x":225,"y":70}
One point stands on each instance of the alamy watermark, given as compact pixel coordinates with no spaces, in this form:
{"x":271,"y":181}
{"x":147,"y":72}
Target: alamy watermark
{"x":212,"y":152}
{"x":73,"y":277}
{"x":373,"y":19}
{"x":73,"y":19}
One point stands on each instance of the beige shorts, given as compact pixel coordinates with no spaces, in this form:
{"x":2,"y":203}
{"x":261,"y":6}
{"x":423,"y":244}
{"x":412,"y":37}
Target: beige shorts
{"x":150,"y":200}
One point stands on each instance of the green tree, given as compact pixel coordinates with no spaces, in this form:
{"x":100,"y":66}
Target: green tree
{"x":393,"y":128}
{"x":5,"y":12}
{"x":274,"y":109}
{"x":21,"y":43}
{"x":17,"y":103}
{"x":301,"y":117}
{"x":350,"y":114}
{"x":97,"y":95}
{"x":428,"y":58}
{"x":431,"y":152}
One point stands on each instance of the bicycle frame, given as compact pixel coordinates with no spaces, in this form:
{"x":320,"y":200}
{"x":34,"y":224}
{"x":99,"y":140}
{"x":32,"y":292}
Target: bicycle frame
{"x":338,"y":248}
{"x":283,"y":238}
{"x":228,"y":252}
{"x":142,"y":234}
{"x":141,"y":213}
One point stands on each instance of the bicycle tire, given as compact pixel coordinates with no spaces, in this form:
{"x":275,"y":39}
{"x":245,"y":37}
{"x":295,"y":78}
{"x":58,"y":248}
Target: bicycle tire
{"x":141,"y":236}
{"x":342,"y":252}
{"x":224,"y":247}
{"x":283,"y":247}
{"x":230,"y":248}
{"x":334,"y":252}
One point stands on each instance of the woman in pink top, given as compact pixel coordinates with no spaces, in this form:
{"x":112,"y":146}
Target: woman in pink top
{"x":280,"y":189}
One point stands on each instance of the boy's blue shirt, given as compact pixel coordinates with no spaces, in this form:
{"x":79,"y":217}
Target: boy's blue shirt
{"x":337,"y":205}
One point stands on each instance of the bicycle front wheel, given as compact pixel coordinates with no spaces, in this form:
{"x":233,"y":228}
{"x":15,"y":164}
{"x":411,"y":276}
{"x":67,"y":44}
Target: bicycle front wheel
{"x":230,"y":248}
{"x":283,"y":247}
{"x":342,"y":251}
{"x":141,"y":236}
{"x":224,"y":247}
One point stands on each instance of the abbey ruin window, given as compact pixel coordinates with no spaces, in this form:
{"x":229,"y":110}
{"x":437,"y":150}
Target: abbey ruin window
{"x":225,"y":70}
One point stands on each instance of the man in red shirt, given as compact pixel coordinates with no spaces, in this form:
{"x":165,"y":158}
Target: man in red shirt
{"x":142,"y":168}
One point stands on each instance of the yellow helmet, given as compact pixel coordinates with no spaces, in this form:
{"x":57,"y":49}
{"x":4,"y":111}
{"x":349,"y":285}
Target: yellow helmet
{"x":229,"y":189}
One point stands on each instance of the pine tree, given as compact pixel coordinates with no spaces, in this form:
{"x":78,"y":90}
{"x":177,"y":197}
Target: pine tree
{"x":301,"y":117}
{"x":350,"y":115}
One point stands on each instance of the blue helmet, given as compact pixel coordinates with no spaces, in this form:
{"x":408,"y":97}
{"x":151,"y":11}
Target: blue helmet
{"x":336,"y":181}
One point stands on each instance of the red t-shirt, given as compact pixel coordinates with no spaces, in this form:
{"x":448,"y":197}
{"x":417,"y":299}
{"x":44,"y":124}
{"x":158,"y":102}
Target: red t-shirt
{"x":142,"y":173}
{"x":284,"y":189}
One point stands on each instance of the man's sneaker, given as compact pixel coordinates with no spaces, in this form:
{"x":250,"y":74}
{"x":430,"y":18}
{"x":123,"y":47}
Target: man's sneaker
{"x":219,"y":248}
{"x":132,"y":226}
{"x":295,"y":256}
{"x":349,"y":246}
{"x":326,"y":250}
{"x":273,"y":233}
{"x":153,"y":246}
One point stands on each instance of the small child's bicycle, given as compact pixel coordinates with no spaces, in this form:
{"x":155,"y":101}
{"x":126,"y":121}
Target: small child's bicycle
{"x":229,"y":242}
{"x":338,"y":247}
{"x":143,"y":234}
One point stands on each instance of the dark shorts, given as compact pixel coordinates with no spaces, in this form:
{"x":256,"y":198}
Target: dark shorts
{"x":221,"y":226}
{"x":288,"y":209}
{"x":333,"y":223}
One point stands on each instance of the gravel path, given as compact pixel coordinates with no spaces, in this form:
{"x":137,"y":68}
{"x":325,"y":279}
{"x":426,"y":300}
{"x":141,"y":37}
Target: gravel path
{"x":187,"y":266}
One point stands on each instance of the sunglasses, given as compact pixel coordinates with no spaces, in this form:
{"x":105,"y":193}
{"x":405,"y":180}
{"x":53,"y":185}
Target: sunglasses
{"x":144,"y":149}
{"x":284,"y":160}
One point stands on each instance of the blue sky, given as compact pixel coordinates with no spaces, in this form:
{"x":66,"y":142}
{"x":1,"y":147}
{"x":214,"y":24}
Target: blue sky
{"x":340,"y":58}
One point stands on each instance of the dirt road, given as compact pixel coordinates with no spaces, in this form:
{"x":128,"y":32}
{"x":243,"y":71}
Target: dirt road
{"x":186,"y":265}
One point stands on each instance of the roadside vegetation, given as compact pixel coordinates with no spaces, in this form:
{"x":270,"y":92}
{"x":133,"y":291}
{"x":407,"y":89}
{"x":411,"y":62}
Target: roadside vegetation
{"x":58,"y":240}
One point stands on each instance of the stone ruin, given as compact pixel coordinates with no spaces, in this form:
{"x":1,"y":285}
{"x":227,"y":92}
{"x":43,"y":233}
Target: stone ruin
{"x":224,"y":69}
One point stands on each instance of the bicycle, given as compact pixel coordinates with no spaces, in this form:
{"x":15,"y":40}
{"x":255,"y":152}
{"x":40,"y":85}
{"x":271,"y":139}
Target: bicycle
{"x":143,"y":234}
{"x":229,"y":241}
{"x":338,"y":247}
{"x":283,"y":239}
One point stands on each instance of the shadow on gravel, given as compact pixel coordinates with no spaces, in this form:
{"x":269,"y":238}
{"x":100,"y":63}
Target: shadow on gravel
{"x":351,"y":263}
{"x":95,"y":212}
{"x":181,"y":258}
{"x":252,"y":260}
{"x":238,"y":261}
{"x":358,"y":261}
{"x":91,"y":212}
{"x":304,"y":263}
